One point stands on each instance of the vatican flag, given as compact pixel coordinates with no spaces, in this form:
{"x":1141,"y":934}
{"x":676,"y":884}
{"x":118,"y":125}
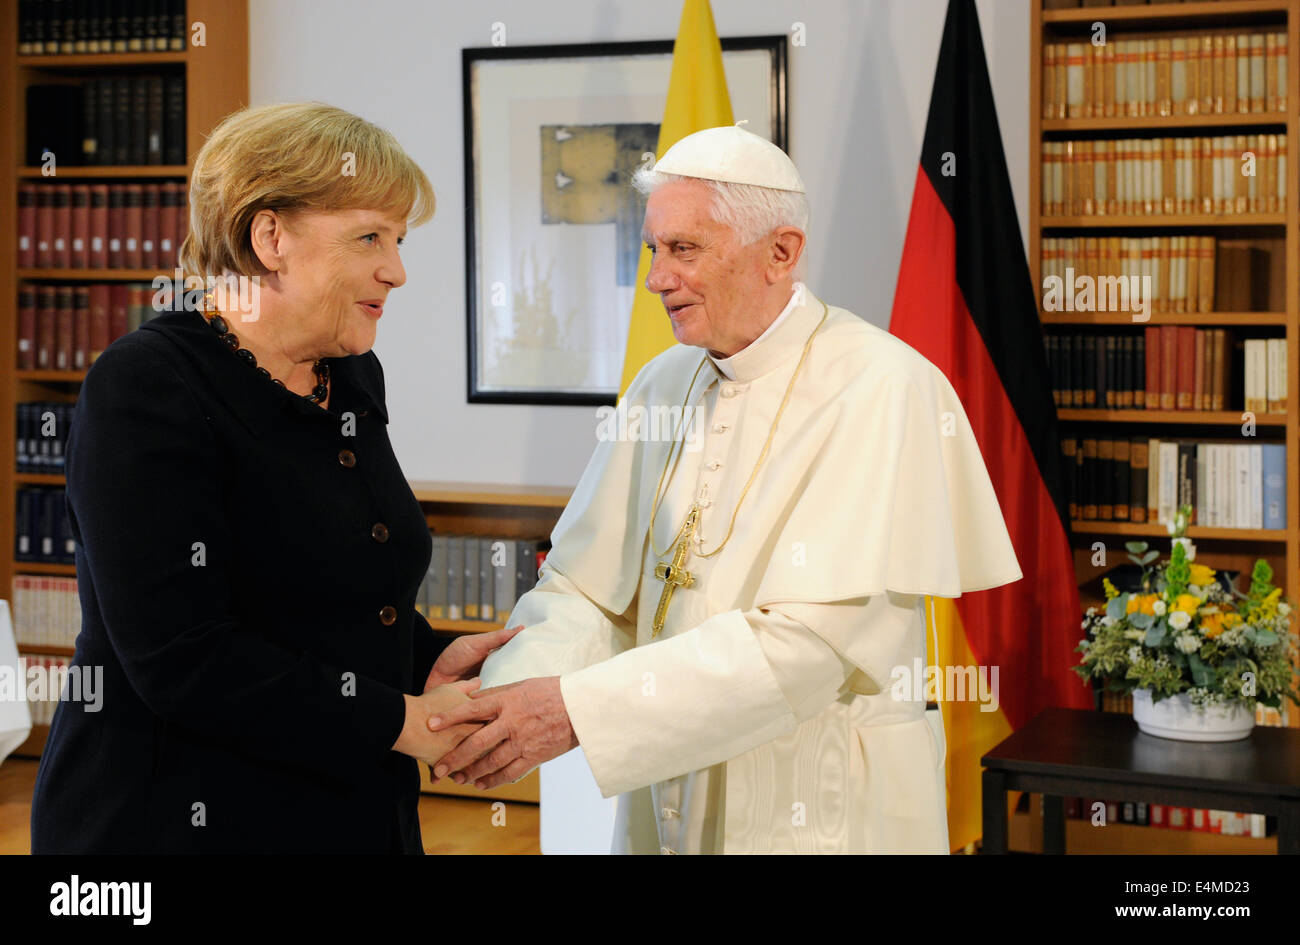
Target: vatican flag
{"x":697,"y":99}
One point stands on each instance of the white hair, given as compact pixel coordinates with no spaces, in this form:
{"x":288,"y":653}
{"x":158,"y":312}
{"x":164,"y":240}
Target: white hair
{"x":750,"y":211}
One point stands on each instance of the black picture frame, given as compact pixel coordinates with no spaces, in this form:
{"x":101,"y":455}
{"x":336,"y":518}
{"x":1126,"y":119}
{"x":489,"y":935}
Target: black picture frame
{"x":774,"y":45}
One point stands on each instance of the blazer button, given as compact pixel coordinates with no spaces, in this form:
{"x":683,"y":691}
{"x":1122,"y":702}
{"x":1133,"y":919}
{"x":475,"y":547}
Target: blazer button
{"x":380,"y":532}
{"x":364,"y":413}
{"x":388,"y":616}
{"x":347,"y":458}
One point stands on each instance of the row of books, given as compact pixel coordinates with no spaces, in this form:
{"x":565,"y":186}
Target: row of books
{"x":66,"y":327}
{"x":49,"y":27}
{"x":474,"y":577}
{"x":1140,"y":479}
{"x":1161,"y":176}
{"x":43,"y":435}
{"x":47,"y":698}
{"x":1211,"y":73}
{"x":46,"y":610}
{"x":105,"y":122}
{"x":101,"y":226}
{"x":1096,"y":274}
{"x":1169,"y":367}
{"x":1188,"y":368}
{"x":1173,"y":273}
{"x":1142,"y":814}
{"x":42,"y":533}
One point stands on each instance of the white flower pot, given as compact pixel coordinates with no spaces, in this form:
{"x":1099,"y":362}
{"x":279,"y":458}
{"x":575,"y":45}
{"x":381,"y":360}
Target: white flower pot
{"x":1176,"y":717}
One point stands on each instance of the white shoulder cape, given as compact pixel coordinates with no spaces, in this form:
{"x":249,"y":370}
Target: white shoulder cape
{"x":874,"y":471}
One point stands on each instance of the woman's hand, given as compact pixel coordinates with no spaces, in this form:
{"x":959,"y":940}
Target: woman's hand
{"x":464,"y":657}
{"x":415,"y":739}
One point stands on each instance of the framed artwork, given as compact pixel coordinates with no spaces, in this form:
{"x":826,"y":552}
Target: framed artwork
{"x":552,"y":224}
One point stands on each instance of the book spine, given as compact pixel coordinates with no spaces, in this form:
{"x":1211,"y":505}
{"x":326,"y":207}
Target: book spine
{"x":503,"y":577}
{"x":1273,"y":460}
{"x":486,"y":571}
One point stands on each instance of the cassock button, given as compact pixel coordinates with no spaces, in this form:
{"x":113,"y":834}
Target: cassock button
{"x":347,"y":458}
{"x":379,"y":532}
{"x":667,"y":851}
{"x":728,"y":391}
{"x":719,"y":428}
{"x":715,"y":465}
{"x":388,"y":616}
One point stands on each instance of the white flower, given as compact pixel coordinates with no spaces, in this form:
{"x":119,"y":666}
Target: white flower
{"x":1134,"y":634}
{"x":1283,"y":608}
{"x":1134,"y":654}
{"x":1180,"y":619}
{"x":1107,"y":621}
{"x":1188,"y":642}
{"x":1159,"y":607}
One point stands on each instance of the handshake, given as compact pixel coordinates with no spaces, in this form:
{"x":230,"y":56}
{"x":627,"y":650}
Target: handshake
{"x":487,"y":737}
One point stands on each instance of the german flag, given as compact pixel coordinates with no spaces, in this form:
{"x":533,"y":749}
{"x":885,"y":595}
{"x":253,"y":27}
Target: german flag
{"x":965,"y":300}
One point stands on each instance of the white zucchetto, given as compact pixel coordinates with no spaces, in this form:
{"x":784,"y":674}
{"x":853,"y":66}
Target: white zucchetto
{"x":732,"y":154}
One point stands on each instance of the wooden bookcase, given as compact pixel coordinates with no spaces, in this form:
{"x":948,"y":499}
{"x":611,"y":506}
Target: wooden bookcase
{"x":1230,"y":548}
{"x":216,"y":84}
{"x":1221,"y":548}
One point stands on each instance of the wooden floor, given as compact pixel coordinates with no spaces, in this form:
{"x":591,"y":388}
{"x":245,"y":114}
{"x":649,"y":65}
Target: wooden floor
{"x":448,"y":824}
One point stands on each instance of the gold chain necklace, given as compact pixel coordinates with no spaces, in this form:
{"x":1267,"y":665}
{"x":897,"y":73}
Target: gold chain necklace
{"x":674,"y":574}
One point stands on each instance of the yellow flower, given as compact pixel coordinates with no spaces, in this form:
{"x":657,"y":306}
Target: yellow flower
{"x":1141,"y":603}
{"x":1212,"y":624}
{"x":1231,"y":620}
{"x":1268,"y":606}
{"x":1202,"y":576}
{"x":1187,"y":603}
{"x":1111,"y":591}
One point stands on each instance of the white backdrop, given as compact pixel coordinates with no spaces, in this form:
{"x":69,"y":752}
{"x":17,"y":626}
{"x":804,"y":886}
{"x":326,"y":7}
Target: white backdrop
{"x":859,"y":92}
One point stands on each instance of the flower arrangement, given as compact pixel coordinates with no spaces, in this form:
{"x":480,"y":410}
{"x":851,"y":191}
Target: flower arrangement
{"x":1185,"y":632}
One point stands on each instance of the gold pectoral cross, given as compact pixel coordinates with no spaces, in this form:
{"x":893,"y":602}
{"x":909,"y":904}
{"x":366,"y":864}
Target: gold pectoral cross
{"x":674,"y":574}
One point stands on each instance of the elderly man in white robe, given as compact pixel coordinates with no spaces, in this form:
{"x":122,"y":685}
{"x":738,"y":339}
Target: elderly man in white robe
{"x":719,"y":628}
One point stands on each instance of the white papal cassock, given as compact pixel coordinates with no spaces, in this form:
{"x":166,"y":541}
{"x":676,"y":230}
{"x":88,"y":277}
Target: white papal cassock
{"x":761,"y":719}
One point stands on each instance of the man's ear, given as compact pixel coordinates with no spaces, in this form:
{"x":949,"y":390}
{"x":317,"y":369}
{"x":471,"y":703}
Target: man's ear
{"x":266,"y":235}
{"x":785,"y":247}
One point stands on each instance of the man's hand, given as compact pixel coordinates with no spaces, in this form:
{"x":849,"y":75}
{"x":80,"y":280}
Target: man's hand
{"x":416,"y":738}
{"x":527,"y":724}
{"x":464,"y":656}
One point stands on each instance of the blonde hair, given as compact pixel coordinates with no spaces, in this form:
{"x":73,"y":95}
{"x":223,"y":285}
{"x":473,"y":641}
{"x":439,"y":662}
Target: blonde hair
{"x":290,"y":157}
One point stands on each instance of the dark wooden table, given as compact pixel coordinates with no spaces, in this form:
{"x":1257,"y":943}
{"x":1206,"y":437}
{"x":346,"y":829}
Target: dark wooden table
{"x":1081,"y":753}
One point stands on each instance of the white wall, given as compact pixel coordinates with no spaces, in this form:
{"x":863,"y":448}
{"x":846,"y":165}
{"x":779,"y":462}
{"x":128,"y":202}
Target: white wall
{"x":859,"y":93}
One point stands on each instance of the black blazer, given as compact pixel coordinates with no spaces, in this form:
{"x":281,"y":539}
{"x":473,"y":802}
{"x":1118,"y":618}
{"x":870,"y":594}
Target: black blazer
{"x":248,"y":565}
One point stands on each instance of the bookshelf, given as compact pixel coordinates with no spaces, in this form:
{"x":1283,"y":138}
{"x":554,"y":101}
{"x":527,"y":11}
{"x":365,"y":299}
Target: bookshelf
{"x":216,"y":83}
{"x":1223,"y":548}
